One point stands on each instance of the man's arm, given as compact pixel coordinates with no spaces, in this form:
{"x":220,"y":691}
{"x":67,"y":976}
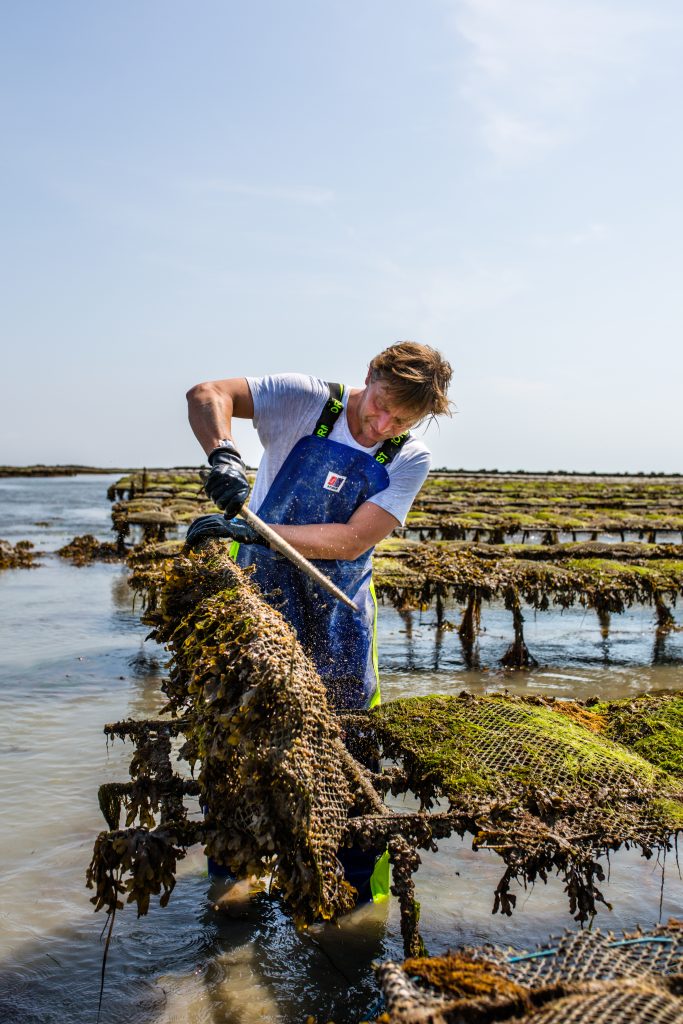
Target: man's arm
{"x":212,"y":405}
{"x":368,"y":525}
{"x":211,"y":408}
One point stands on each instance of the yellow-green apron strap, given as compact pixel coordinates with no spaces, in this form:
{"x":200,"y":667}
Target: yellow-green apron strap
{"x":376,"y":697}
{"x":380,"y":880}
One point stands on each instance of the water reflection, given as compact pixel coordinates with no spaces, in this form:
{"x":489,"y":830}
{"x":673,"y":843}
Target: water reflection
{"x":50,"y":511}
{"x":413,"y":641}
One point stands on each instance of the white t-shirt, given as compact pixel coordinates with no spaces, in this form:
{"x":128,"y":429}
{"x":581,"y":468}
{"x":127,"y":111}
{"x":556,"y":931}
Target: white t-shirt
{"x":287,"y":407}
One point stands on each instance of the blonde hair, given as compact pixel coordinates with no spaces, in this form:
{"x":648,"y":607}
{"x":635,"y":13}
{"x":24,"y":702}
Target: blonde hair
{"x":417,"y":376}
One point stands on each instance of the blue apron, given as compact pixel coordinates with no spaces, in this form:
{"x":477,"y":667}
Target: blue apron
{"x":323,"y":481}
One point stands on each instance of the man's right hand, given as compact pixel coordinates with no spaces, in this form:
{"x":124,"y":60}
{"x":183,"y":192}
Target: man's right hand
{"x":227,"y":483}
{"x":218,"y":527}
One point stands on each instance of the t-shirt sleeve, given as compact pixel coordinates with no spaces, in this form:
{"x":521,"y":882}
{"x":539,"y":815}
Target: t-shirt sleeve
{"x":404,"y":483}
{"x":285,"y":399}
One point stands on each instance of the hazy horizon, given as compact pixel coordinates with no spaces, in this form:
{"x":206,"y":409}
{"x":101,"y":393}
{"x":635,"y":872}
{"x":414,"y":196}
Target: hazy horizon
{"x":483,"y":470}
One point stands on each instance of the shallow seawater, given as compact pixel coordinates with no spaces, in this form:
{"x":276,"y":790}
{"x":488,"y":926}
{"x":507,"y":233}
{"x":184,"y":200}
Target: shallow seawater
{"x":73,"y":656}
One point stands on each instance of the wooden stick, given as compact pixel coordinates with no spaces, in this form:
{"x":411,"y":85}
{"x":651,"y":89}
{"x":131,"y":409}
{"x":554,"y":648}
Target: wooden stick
{"x":276,"y":542}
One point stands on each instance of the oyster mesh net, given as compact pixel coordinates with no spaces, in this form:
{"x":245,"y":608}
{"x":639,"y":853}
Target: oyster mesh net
{"x":255,"y":721}
{"x":543,"y":785}
{"x":587,"y":977}
{"x":275,"y":794}
{"x":536,"y":762}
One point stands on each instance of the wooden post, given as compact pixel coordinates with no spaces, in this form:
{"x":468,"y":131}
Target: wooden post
{"x":517,"y":654}
{"x":468,"y":630}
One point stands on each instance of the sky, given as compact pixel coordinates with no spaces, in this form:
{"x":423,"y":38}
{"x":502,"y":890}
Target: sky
{"x":199,"y":191}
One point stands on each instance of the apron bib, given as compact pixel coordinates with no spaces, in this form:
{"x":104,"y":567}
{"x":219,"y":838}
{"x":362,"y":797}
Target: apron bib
{"x":323,"y":481}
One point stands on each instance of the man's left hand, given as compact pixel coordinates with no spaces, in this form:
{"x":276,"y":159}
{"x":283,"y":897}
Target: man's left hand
{"x":217,"y":526}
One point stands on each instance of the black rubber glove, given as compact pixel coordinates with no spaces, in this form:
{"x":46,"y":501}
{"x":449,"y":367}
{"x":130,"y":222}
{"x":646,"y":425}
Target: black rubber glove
{"x":227,"y":483}
{"x":218,"y":526}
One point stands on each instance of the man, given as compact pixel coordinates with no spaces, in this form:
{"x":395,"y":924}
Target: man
{"x":339,"y":473}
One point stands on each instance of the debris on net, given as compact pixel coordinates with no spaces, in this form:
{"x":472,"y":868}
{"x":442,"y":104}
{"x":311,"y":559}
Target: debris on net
{"x":19,"y":556}
{"x":455,"y":987}
{"x":140,"y":860}
{"x":587,"y":976}
{"x":651,"y":724}
{"x":270,"y":777}
{"x":137,"y":863}
{"x":546,"y":793}
{"x":276,"y":789}
{"x":412,"y":574}
{"x":416,"y":574}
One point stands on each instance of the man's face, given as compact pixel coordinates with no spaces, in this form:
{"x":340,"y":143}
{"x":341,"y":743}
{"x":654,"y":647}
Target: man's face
{"x":380,"y":416}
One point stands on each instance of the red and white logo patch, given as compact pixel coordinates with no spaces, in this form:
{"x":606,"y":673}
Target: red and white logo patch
{"x":334,"y":482}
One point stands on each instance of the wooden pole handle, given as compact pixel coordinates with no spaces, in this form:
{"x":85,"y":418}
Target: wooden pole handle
{"x":276,"y":542}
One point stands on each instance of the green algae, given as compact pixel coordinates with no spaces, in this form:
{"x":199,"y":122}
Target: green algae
{"x":671,"y":812}
{"x":457,"y":746}
{"x":650,"y":725}
{"x":454,"y":504}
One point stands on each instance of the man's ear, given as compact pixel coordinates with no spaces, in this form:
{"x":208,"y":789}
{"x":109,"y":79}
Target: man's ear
{"x":367,"y":376}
